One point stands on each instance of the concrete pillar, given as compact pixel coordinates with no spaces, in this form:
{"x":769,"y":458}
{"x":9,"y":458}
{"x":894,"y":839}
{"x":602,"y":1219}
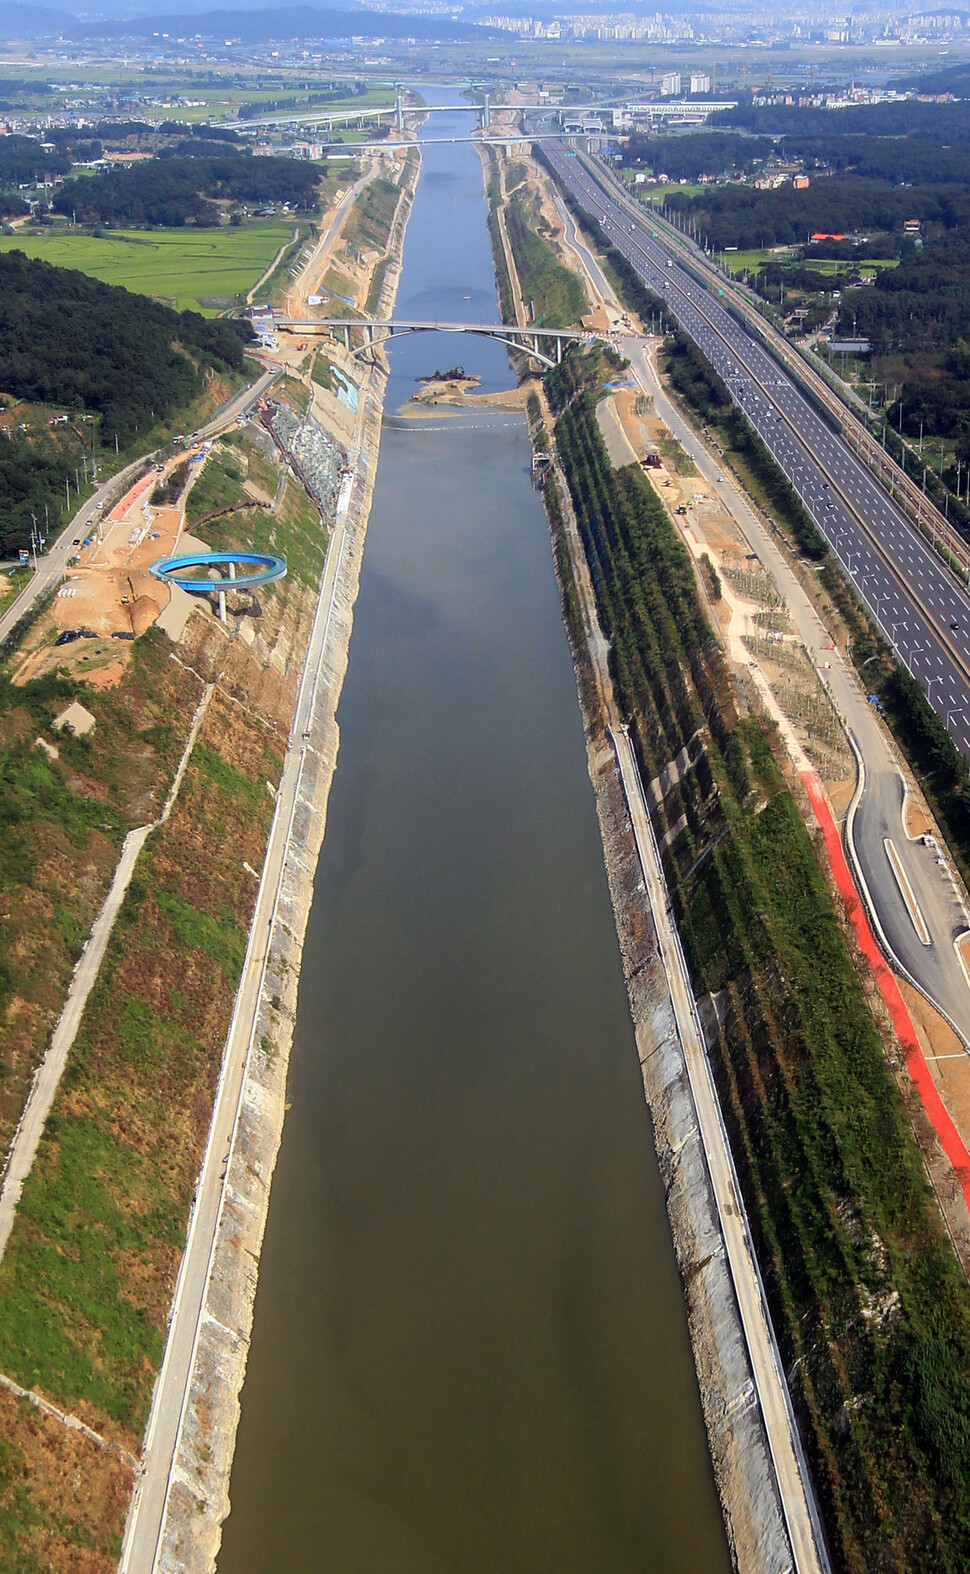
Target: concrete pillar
{"x":399,"y":102}
{"x":486,"y":113}
{"x":222,"y":595}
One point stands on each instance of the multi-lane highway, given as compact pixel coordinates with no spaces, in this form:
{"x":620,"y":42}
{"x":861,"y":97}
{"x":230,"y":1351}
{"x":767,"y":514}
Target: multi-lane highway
{"x":922,"y":610}
{"x":920,"y":936}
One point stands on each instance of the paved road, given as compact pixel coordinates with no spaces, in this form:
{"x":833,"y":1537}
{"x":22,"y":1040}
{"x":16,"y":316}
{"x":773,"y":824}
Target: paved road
{"x":851,"y":413}
{"x":797,"y":1500}
{"x":878,"y":813}
{"x":51,"y":568}
{"x":921,"y":609}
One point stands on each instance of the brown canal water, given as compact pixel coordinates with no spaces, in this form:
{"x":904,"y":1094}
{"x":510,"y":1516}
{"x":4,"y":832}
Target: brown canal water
{"x":470,"y":1350}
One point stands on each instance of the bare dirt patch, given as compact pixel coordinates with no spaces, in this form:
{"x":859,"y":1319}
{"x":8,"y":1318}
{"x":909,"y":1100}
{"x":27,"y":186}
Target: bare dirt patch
{"x":918,"y":821}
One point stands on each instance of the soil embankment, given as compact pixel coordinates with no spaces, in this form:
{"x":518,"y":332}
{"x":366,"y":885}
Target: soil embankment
{"x":198,"y":1500}
{"x":739,"y":1446}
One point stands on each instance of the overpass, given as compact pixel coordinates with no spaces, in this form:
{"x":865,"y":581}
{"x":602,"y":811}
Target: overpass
{"x":399,"y":109}
{"x":692,"y":111}
{"x":505,"y":139}
{"x":528,"y":340}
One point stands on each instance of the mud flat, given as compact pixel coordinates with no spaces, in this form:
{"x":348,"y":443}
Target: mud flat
{"x":738,"y":1441}
{"x":198,"y":1492}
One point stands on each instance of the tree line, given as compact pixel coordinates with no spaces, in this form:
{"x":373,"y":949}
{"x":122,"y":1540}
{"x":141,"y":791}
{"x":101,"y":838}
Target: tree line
{"x":945,"y":123}
{"x":185,"y":190}
{"x":910,"y":161}
{"x":698,"y":153}
{"x":867,"y":1299}
{"x":74,"y":343}
{"x":745,"y":217}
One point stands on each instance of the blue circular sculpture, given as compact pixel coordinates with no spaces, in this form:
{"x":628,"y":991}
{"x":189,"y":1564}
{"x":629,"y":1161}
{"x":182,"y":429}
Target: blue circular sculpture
{"x":175,"y":571}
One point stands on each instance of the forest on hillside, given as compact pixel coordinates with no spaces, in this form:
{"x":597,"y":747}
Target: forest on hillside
{"x":864,"y":187}
{"x":183,"y":189}
{"x":71,"y":342}
{"x":944,"y":123}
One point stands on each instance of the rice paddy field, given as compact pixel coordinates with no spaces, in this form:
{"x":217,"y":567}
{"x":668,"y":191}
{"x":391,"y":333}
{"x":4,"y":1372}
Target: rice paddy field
{"x":194,"y":270}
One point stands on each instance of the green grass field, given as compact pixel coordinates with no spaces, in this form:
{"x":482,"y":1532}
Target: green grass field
{"x":184,"y":267}
{"x":873,"y":265}
{"x":659,"y":194}
{"x":737,"y":261}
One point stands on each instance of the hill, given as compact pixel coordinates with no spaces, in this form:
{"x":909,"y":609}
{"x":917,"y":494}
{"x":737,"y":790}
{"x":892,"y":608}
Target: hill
{"x":286,"y":23}
{"x":70,"y":342}
{"x":182,"y":188}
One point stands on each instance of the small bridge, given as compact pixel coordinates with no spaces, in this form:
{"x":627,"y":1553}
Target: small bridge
{"x":545,"y":345}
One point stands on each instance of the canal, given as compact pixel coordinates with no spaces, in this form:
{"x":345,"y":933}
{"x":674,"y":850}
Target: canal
{"x":470,"y":1350}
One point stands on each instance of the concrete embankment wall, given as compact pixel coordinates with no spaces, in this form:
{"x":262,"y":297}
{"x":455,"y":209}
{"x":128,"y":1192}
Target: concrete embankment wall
{"x":743,"y":1469}
{"x":199,"y":1494}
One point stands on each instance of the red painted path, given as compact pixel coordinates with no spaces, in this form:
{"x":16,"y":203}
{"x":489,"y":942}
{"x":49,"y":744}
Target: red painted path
{"x":131,"y":497}
{"x":950,"y":1139}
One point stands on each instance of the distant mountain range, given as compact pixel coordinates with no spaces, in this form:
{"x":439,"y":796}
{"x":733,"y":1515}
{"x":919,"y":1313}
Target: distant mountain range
{"x":34,"y":21}
{"x":257,"y":26}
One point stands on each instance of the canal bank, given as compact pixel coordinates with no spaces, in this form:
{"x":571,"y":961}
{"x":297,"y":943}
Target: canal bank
{"x":470,"y":1348}
{"x":762,"y":1477}
{"x":181,"y":1496}
{"x":759,"y":1468}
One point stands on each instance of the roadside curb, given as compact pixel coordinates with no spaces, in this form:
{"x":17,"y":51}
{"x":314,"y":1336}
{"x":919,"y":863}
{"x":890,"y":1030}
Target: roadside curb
{"x":936,"y":1111}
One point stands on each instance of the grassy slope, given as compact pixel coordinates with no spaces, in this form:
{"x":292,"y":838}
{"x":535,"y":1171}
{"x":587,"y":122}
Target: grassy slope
{"x":369,"y":220}
{"x":61,"y":826}
{"x":86,"y":1282}
{"x":556,"y":293}
{"x":869,"y":1305}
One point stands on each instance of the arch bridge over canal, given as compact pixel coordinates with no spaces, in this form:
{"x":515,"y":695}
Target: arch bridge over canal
{"x":542,"y":344}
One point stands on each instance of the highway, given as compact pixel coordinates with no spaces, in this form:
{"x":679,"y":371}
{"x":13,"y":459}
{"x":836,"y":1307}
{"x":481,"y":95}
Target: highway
{"x":876,"y":818}
{"x":921,"y":609}
{"x":52,"y":566}
{"x":877,"y":814}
